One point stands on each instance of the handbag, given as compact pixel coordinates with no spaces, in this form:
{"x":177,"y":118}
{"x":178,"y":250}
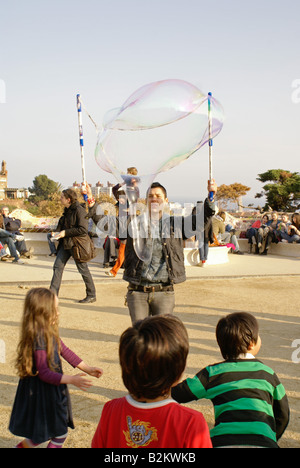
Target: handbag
{"x":13,"y":225}
{"x":83,"y":249}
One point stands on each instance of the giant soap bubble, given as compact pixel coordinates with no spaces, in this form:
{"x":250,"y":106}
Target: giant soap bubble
{"x":158,"y":127}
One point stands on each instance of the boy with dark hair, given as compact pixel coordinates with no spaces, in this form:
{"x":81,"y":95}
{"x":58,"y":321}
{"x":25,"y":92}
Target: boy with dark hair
{"x":251,"y":407}
{"x":153,"y":356}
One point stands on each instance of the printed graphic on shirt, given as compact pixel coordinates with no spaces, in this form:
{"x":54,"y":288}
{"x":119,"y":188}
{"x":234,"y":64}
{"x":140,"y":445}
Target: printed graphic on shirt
{"x":139,"y":433}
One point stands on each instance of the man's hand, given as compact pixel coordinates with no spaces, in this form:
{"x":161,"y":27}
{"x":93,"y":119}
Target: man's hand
{"x":85,"y":188}
{"x":212,"y":186}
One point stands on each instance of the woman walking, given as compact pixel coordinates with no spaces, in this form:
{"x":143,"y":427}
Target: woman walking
{"x":73,"y":223}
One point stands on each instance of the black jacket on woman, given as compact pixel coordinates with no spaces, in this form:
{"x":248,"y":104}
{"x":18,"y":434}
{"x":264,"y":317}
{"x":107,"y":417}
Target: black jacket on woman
{"x":74,"y":222}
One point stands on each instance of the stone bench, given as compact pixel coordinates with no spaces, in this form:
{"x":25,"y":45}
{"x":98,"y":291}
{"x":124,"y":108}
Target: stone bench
{"x":219,"y":255}
{"x":216,"y":255}
{"x":282,"y":248}
{"x":38,"y":241}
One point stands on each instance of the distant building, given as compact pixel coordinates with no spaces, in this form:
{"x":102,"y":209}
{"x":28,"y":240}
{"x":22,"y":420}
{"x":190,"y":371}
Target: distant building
{"x":17,"y":193}
{"x":3,"y":180}
{"x":99,"y":189}
{"x":10,"y":193}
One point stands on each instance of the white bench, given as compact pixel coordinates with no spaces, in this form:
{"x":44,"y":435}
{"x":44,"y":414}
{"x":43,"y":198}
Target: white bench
{"x":282,"y":248}
{"x":39,"y":242}
{"x":216,"y":255}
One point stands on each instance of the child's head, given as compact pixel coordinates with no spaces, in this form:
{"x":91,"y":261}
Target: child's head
{"x":237,"y":334}
{"x":296,"y":220}
{"x":222,"y":214}
{"x":39,"y":325}
{"x":153,"y":355}
{"x":265,"y":218}
{"x":132,"y":170}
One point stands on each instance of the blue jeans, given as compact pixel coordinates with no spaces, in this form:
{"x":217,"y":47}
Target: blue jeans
{"x":7,"y":238}
{"x":58,"y":268}
{"x":143,"y":304}
{"x":235,"y":242}
{"x":290,"y":239}
{"x":250,"y":233}
{"x":203,"y":249}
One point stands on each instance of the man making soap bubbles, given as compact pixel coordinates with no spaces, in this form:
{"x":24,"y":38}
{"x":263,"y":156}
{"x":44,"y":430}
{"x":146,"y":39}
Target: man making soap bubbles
{"x":151,"y":280}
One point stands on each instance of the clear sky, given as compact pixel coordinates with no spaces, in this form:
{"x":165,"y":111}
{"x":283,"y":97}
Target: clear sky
{"x":246,"y":53}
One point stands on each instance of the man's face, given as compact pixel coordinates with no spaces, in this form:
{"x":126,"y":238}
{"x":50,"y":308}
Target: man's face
{"x":156,"y":201}
{"x":5,"y":211}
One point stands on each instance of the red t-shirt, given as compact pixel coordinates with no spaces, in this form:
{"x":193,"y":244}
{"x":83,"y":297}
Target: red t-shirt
{"x":126,"y":423}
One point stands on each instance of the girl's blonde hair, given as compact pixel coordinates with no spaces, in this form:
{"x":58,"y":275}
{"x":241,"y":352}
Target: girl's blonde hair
{"x":132,"y":170}
{"x":39,"y":327}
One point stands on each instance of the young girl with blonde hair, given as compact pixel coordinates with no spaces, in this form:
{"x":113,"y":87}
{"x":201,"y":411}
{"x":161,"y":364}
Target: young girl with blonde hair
{"x":42,"y":410}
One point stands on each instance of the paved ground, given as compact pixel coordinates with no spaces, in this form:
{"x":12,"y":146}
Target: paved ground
{"x":39,"y":269}
{"x":268,"y":287}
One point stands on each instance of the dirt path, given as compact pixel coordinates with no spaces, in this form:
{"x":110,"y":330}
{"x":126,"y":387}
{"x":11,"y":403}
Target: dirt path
{"x":93,"y":331}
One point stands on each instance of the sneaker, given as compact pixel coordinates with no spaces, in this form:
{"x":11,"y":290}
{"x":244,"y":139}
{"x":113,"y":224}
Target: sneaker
{"x":203,"y":263}
{"x":18,"y":261}
{"x":5,"y":258}
{"x":27,"y":253}
{"x":109,"y":273}
{"x":19,"y":237}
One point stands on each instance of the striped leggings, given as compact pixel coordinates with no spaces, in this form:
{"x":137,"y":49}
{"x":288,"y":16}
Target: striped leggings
{"x":56,"y":442}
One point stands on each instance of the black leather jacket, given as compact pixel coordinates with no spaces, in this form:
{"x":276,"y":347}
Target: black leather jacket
{"x":172,"y":244}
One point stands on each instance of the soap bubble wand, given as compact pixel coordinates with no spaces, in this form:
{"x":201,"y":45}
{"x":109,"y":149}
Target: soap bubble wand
{"x":210,"y":143}
{"x":81,"y":142}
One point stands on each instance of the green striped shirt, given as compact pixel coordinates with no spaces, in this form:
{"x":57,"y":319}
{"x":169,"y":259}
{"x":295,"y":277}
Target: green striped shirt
{"x":251,"y":407}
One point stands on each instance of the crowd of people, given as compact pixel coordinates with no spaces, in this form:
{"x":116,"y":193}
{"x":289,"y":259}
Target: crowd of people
{"x":273,"y":228}
{"x":12,"y":239}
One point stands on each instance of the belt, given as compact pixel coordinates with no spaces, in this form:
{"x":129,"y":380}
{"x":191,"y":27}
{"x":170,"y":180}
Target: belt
{"x":149,"y":289}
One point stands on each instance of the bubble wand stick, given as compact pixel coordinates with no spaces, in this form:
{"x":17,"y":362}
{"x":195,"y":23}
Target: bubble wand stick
{"x":210,"y":143}
{"x":79,"y":111}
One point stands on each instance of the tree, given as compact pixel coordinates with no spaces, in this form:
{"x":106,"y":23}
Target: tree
{"x":43,"y":188}
{"x":232,"y":192}
{"x":283,"y":193}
